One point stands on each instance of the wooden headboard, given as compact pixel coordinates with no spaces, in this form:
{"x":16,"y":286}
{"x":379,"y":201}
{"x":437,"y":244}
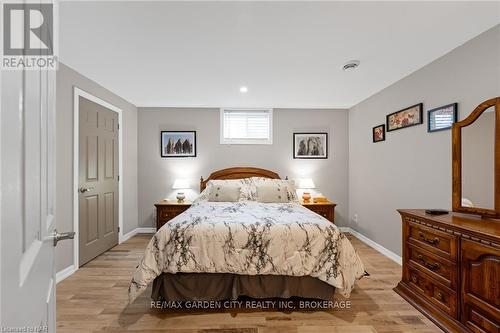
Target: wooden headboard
{"x":238,"y":173}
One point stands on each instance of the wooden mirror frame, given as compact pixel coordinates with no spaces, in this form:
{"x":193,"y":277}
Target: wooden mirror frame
{"x":457,"y":161}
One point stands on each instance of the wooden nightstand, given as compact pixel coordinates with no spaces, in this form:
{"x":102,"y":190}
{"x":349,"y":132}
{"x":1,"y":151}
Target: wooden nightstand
{"x":167,"y":210}
{"x":325,"y":209}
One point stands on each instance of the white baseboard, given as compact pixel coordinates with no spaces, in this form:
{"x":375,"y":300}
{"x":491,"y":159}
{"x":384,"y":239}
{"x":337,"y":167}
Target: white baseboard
{"x":127,"y":236}
{"x":146,"y":230}
{"x":63,"y":274}
{"x":136,"y":231}
{"x":389,"y":254}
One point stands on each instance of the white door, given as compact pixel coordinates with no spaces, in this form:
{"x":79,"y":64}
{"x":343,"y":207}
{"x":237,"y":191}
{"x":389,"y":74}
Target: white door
{"x":27,"y":178}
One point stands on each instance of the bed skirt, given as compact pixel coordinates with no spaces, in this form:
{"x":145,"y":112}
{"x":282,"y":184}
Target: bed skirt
{"x":220,"y":286}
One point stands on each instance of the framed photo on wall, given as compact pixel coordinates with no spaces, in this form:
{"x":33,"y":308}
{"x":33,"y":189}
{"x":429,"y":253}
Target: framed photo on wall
{"x":178,"y":143}
{"x":408,"y":117}
{"x":441,"y":118}
{"x":378,"y":133}
{"x":310,"y":145}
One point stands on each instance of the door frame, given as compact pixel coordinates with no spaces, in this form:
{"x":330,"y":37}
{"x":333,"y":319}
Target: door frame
{"x":77,"y":93}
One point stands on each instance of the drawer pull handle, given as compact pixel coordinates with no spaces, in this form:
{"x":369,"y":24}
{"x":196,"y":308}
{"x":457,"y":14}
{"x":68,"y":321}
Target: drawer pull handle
{"x":439,"y":296}
{"x":429,"y":265}
{"x":414,"y":279}
{"x":432,"y":241}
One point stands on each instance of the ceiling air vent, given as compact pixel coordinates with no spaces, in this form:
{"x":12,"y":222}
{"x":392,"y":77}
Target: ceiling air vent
{"x":351,"y":65}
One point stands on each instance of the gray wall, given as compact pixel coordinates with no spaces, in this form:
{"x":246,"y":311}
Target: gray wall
{"x":412,"y":168}
{"x":67,"y":78}
{"x":156,"y":174}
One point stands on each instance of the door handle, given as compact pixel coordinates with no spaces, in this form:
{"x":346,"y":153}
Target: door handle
{"x":61,"y":236}
{"x":85,"y":189}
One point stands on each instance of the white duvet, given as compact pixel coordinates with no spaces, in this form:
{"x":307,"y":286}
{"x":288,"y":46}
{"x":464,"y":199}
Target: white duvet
{"x":250,"y":238}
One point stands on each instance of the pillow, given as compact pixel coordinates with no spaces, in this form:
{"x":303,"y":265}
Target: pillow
{"x":244,"y":185}
{"x":224,"y":193}
{"x":291,"y":191}
{"x":272,"y":193}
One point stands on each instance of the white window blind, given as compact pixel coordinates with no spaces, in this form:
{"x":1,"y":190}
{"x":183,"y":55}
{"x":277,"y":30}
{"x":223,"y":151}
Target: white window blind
{"x":442,"y":120}
{"x":246,"y":126}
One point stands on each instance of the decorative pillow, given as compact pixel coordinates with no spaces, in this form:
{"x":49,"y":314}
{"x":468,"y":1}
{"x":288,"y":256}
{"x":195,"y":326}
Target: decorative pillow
{"x":272,"y":193}
{"x":244,"y":185}
{"x":203,"y":195}
{"x":224,"y":193}
{"x":291,"y":191}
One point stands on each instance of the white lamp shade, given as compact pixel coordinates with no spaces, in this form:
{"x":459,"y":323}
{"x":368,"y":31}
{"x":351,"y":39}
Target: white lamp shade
{"x":306,"y":183}
{"x":180,"y":184}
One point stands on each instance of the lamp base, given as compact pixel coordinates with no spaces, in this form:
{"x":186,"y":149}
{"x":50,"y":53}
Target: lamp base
{"x":180,"y":197}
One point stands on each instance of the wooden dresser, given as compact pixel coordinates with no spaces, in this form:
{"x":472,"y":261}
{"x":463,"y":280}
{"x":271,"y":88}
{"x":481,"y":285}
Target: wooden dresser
{"x":451,"y":269}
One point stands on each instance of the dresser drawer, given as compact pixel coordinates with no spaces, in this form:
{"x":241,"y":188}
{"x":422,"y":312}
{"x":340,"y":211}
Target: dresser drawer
{"x":441,"y":296}
{"x":168,"y":213}
{"x":435,"y":241}
{"x":327,"y":211}
{"x":437,"y":267}
{"x":324,"y":211}
{"x":480,"y":321}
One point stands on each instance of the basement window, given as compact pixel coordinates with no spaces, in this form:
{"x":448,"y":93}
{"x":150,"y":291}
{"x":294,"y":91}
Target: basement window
{"x":246,"y":126}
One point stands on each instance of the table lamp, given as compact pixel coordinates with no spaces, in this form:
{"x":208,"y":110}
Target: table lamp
{"x":304,"y":184}
{"x":180,"y":184}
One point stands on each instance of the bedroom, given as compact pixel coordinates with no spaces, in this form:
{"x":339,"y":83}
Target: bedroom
{"x":341,"y":103}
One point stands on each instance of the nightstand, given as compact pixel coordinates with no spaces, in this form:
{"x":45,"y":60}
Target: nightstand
{"x":325,"y":209}
{"x":167,"y":210}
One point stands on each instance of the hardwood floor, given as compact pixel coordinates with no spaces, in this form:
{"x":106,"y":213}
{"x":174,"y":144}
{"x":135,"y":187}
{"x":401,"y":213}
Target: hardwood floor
{"x":94,"y":299}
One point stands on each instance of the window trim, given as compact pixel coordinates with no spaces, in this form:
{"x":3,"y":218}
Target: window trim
{"x":224,"y":141}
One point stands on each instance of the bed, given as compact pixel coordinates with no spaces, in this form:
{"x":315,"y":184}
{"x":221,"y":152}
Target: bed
{"x":224,"y":250}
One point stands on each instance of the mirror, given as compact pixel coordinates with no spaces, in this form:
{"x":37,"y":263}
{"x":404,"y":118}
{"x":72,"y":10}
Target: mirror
{"x":478,"y":155}
{"x":476,"y":166}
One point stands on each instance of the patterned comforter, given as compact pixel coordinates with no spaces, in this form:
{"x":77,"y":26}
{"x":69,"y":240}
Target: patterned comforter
{"x":250,"y":238}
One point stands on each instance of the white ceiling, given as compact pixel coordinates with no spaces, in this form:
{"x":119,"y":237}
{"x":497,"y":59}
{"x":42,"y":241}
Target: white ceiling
{"x":288,"y":54}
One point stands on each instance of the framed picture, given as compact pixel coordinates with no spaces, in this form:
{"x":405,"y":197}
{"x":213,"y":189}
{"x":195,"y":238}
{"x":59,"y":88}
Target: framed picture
{"x":310,"y":145}
{"x":178,"y":144}
{"x":441,"y":118}
{"x":410,"y":116}
{"x":378,"y":133}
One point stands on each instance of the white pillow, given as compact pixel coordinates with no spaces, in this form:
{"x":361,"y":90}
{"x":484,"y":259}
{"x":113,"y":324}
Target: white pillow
{"x":270,"y":193}
{"x":224,"y":193}
{"x":244,"y":185}
{"x":289,"y":184}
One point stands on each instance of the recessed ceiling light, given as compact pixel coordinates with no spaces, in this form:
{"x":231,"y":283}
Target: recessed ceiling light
{"x":351,"y":65}
{"x":243,"y":89}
